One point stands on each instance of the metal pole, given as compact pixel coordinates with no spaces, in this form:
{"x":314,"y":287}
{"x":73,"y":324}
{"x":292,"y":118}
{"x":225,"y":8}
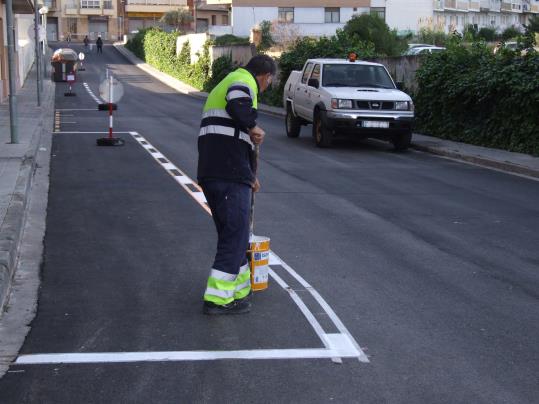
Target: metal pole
{"x":36,"y":38}
{"x":11,"y":69}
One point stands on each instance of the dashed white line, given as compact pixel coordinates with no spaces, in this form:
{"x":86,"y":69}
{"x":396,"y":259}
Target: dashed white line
{"x":89,"y":90}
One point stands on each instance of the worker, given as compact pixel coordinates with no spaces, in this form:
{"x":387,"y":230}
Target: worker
{"x":227,"y":175}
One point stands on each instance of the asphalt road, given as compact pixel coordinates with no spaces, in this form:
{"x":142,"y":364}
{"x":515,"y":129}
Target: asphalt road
{"x":432,"y":266}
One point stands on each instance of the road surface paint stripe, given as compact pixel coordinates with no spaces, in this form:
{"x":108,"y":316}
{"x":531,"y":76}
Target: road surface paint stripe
{"x":88,"y":89}
{"x":95,"y":133}
{"x":341,"y":348}
{"x":337,"y":345}
{"x":188,"y":184}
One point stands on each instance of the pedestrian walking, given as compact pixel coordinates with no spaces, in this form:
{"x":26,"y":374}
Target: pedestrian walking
{"x":99,"y":44}
{"x":86,"y":41}
{"x":227,"y":175}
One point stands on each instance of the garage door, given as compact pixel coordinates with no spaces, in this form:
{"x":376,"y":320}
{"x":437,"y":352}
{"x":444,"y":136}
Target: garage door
{"x":98,"y":27}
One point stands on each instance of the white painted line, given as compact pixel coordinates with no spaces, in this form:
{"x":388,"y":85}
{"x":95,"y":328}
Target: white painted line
{"x":183,"y":180}
{"x":97,"y":133}
{"x":76,"y":109}
{"x":320,"y":300}
{"x":89,"y":90}
{"x":177,"y":356}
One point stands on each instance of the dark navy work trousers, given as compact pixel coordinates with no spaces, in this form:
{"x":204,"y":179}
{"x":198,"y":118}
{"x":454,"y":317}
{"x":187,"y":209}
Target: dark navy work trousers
{"x":230,"y":204}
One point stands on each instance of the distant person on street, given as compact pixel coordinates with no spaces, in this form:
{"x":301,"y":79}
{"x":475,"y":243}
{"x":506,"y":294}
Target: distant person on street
{"x":86,"y":41}
{"x":99,"y":44}
{"x":227,"y":175}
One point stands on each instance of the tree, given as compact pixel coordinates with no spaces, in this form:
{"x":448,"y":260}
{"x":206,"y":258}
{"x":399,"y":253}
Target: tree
{"x":372,"y":28}
{"x":177,"y":18}
{"x":266,"y":40}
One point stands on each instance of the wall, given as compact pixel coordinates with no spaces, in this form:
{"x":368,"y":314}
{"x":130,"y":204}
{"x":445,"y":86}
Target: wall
{"x":25,"y":45}
{"x":244,"y":18}
{"x":240,"y":54}
{"x":402,"y":68}
{"x":196,"y":42}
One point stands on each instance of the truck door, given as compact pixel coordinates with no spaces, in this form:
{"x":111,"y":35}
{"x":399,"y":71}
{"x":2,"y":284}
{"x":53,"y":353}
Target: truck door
{"x":300,"y":92}
{"x":313,"y":92}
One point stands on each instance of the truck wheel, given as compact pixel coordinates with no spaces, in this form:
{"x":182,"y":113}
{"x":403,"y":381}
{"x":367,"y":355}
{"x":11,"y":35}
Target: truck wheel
{"x":402,"y":141}
{"x":292,"y":123}
{"x":322,"y":135}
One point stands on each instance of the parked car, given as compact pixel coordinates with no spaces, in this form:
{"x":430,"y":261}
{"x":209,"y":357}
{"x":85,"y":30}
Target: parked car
{"x":344,"y":97}
{"x":422,"y":50}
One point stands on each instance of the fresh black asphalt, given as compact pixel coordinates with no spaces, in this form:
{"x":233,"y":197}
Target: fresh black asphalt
{"x":431,"y":264}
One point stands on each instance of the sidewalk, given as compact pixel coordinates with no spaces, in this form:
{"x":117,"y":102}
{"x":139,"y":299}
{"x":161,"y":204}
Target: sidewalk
{"x":517,"y":163}
{"x":17,"y":168}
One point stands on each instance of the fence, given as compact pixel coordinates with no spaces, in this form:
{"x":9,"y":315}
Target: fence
{"x":402,"y":69}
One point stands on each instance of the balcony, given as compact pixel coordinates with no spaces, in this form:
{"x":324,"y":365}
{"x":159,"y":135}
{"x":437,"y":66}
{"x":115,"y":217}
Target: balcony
{"x":71,"y":8}
{"x":438,"y":5}
{"x":154,"y":6}
{"x":463,"y":5}
{"x":490,"y":5}
{"x":474,"y":6}
{"x":450,"y":4}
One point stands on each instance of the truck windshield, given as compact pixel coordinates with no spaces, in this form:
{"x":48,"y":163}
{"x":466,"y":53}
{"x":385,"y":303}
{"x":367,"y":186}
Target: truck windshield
{"x":351,"y":75}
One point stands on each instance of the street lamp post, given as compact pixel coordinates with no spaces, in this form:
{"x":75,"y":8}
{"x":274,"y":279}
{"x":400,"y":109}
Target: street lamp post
{"x":11,"y":71}
{"x":43,"y":11}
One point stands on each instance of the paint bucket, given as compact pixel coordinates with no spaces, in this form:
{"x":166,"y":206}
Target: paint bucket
{"x":259,"y":249}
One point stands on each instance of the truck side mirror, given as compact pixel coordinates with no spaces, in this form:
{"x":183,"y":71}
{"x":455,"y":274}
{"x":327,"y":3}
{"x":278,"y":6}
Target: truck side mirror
{"x":400,"y":85}
{"x":313,"y":83}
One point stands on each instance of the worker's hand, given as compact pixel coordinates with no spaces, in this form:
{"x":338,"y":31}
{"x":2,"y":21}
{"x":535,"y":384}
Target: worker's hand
{"x":257,"y":135}
{"x":256,"y":186}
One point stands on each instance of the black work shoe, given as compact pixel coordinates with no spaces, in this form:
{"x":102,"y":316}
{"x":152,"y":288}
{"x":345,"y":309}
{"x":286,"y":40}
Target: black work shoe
{"x":235,"y":307}
{"x":246,"y":298}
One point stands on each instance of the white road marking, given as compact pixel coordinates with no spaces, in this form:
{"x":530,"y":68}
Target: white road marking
{"x":89,"y":90}
{"x":97,"y":133}
{"x":337,"y":345}
{"x":339,"y":349}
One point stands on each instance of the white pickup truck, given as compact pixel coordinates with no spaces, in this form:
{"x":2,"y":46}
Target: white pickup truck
{"x":342,"y":97}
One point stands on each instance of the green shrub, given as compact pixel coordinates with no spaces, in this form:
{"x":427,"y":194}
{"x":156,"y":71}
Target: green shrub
{"x":266,"y":41}
{"x":229,"y":39}
{"x":434,"y":37}
{"x":220,"y":68}
{"x":371,"y":28}
{"x":469,"y":94}
{"x":510,"y":33}
{"x":487,"y":34}
{"x":136,"y":44}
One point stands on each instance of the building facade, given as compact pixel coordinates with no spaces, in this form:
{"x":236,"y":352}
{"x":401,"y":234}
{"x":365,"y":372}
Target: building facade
{"x":317,"y":18}
{"x":24,"y":44}
{"x":304,"y":17}
{"x":72,"y":20}
{"x":451,"y":15}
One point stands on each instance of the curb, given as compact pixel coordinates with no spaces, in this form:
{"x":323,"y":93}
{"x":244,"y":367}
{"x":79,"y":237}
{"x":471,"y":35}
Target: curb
{"x":482,"y":161}
{"x":12,"y":228}
{"x":279,"y":112}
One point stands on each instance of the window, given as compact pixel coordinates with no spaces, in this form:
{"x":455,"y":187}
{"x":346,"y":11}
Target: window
{"x":316,"y":73}
{"x":71,"y":25}
{"x":306,"y":73}
{"x":332,"y":14}
{"x":224,"y":19}
{"x":90,"y":4}
{"x":286,"y":14}
{"x":353,"y":75}
{"x":379,"y":11}
{"x":213,"y":20}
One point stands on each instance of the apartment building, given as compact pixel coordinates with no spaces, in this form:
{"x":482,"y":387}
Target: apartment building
{"x":74,"y":19}
{"x":451,"y":15}
{"x":305,"y":17}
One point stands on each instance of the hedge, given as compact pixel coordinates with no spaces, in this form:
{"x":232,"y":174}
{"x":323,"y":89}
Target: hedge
{"x":471,"y":95}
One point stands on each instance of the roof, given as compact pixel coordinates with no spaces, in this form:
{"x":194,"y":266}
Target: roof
{"x":344,"y":62}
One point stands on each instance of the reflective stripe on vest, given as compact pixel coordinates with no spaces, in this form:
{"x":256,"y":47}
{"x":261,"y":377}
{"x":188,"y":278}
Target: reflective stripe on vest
{"x":218,"y":121}
{"x":215,"y":120}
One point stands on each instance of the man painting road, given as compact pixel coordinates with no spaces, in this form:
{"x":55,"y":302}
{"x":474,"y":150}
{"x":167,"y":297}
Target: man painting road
{"x":227,"y":175}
